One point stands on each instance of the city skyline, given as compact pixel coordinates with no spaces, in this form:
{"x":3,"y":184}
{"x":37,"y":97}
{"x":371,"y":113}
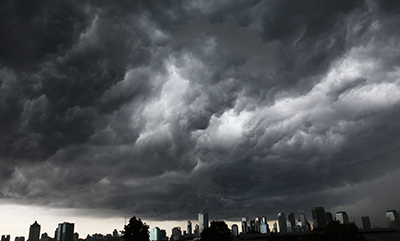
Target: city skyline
{"x":167,"y":226}
{"x":161,"y":109}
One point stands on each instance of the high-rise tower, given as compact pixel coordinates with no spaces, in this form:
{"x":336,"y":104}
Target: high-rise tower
{"x":319,"y":217}
{"x":342,"y":217}
{"x":203,"y":220}
{"x":393,"y":219}
{"x":282,"y":223}
{"x":65,"y":232}
{"x":189,"y":228}
{"x":34,"y":232}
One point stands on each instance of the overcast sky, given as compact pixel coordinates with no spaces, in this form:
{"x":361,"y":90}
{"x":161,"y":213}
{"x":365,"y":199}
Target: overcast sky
{"x":160,"y":109}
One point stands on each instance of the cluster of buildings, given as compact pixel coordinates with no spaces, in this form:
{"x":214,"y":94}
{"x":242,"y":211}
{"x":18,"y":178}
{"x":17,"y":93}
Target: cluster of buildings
{"x":157,"y":234}
{"x":284,"y":224}
{"x":63,"y":232}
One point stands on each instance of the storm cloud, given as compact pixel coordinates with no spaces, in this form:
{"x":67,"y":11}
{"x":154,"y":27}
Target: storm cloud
{"x":164,"y":108}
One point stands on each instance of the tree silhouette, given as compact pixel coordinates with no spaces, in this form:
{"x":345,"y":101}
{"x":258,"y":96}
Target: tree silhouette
{"x":218,"y":231}
{"x":136,"y":230}
{"x":337,"y":231}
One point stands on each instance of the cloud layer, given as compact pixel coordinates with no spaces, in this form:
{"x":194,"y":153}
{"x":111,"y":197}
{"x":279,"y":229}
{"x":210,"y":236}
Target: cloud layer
{"x":162,"y":109}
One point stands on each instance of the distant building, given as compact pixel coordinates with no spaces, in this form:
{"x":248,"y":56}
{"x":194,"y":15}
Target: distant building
{"x":329,"y":217}
{"x":245,"y":225}
{"x":257,"y":223}
{"x":393,"y":219}
{"x":275,"y":229}
{"x":163,"y":234}
{"x":189,"y":228}
{"x":20,"y":238}
{"x":44,"y":237}
{"x":5,"y":237}
{"x":65,"y":232}
{"x":303,"y":220}
{"x":319,"y":218}
{"x":235,"y":230}
{"x":264,"y":226}
{"x":34,"y":232}
{"x":291,"y":222}
{"x":115,"y":234}
{"x":203,"y":220}
{"x":282,"y":223}
{"x":366,"y":223}
{"x":342,"y":217}
{"x":176,"y":234}
{"x":155,"y":234}
{"x":196,"y":230}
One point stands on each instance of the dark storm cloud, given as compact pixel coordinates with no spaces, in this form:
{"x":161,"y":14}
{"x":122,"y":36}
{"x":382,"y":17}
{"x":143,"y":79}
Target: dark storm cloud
{"x":162,"y":109}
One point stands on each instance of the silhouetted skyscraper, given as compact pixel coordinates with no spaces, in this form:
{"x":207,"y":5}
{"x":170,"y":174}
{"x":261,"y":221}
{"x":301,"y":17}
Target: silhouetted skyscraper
{"x":245,"y":225}
{"x":393,"y":219}
{"x":34,"y":232}
{"x":115,"y":234}
{"x":366,"y":223}
{"x":5,"y":237}
{"x":329,"y":217}
{"x":319,"y":218}
{"x":292,"y":221}
{"x":176,"y":233}
{"x":203,"y":220}
{"x":196,"y":230}
{"x":282,"y":223}
{"x":342,"y":217}
{"x":189,"y":228}
{"x":65,"y":232}
{"x":257,"y":223}
{"x":235,"y":230}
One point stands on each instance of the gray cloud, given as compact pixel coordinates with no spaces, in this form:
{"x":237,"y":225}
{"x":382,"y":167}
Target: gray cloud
{"x":163,"y":109}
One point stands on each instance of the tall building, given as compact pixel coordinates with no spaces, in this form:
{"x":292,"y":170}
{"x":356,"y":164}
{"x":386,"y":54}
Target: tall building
{"x":203,"y":220}
{"x":275,"y":229}
{"x":282,"y":223}
{"x":5,"y":237}
{"x":176,"y":233}
{"x":196,"y":230}
{"x":155,"y":234}
{"x":319,"y":218}
{"x":235,"y":230}
{"x":245,"y":225}
{"x":291,"y":222}
{"x":393,"y":219}
{"x":34,"y":232}
{"x":264,"y":226}
{"x":366,"y":223}
{"x":257,"y":223}
{"x":189,"y":228}
{"x":342,"y":217}
{"x":65,"y":232}
{"x":115,"y":234}
{"x":329,"y":217}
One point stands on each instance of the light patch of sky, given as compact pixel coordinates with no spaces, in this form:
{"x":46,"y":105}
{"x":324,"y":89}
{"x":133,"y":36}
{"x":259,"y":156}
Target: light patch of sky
{"x":159,"y":111}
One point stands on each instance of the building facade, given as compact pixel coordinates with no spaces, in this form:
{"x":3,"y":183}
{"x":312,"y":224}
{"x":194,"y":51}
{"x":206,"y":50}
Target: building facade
{"x":342,"y":217}
{"x":282,"y":223}
{"x":366,"y":223}
{"x":319,"y":217}
{"x":203,"y":221}
{"x":65,"y":232}
{"x":34,"y":232}
{"x":392,"y":217}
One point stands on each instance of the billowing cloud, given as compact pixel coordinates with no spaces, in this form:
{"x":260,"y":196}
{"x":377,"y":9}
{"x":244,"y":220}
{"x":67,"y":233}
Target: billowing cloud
{"x":162,"y":109}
